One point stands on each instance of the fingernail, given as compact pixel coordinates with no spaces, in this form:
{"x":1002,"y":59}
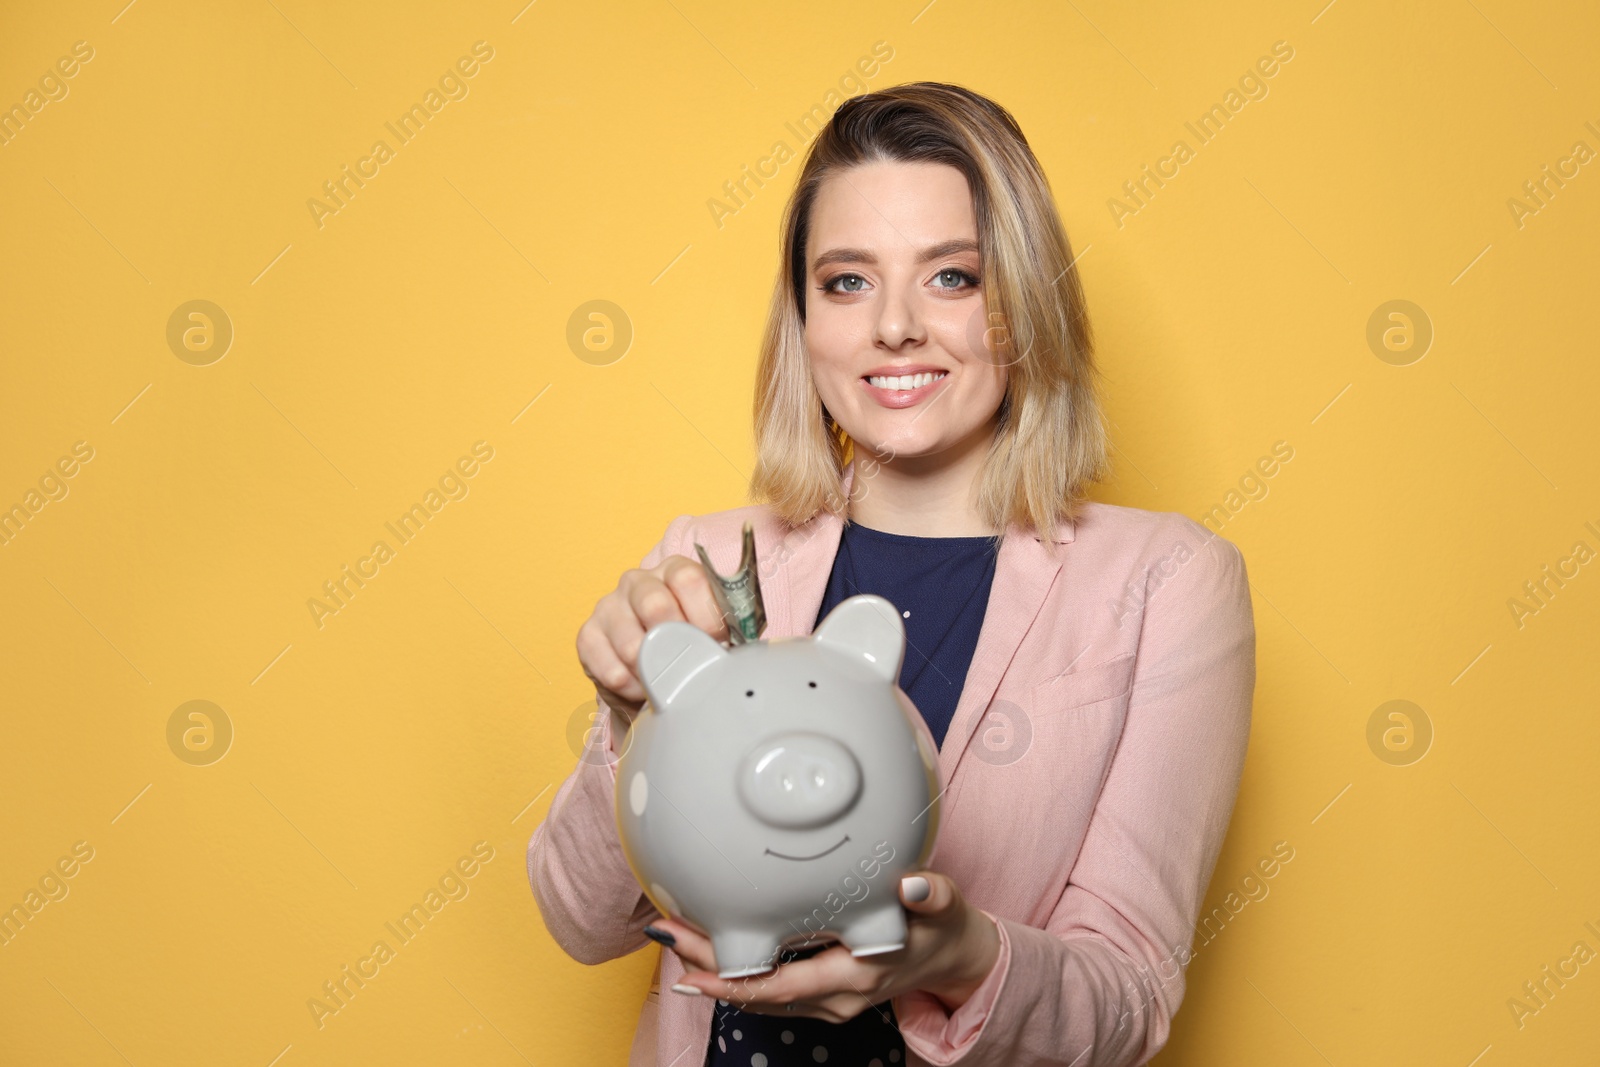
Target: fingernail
{"x":915,"y":888}
{"x":686,"y":990}
{"x":660,"y":936}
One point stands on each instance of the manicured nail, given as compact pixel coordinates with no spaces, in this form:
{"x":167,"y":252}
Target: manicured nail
{"x":687,"y":990}
{"x":915,"y":888}
{"x":660,"y":936}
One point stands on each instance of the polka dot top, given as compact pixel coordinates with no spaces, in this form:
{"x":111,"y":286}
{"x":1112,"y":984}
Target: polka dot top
{"x":941,"y":586}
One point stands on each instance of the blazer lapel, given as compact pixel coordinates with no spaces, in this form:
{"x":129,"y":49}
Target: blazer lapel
{"x":804,"y":557}
{"x":1023,"y":575}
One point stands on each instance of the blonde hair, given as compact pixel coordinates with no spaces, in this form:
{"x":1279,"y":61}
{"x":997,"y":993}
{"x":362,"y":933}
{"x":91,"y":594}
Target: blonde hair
{"x":1049,"y":443}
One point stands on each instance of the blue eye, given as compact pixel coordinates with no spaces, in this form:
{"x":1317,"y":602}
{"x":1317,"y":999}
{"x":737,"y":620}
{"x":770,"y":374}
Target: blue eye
{"x":961,"y":276}
{"x":829,"y":285}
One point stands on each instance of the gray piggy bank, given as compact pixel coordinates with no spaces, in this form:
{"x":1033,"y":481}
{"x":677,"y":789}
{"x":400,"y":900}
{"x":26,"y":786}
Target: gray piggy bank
{"x":772,"y":794}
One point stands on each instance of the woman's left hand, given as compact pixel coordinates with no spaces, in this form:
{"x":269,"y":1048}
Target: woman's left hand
{"x":951,"y":946}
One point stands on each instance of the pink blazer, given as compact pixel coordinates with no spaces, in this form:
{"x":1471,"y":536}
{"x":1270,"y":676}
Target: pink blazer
{"x":1090,"y":772}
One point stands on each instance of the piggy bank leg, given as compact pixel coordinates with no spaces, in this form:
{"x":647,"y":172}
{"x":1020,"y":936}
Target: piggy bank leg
{"x":741,"y":953}
{"x":880,"y":930}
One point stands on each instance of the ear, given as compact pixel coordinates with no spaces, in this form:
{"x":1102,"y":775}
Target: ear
{"x":673,"y":656}
{"x":868,"y":629}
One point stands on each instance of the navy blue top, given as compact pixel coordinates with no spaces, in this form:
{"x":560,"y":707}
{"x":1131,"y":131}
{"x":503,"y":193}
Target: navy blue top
{"x":941,"y":586}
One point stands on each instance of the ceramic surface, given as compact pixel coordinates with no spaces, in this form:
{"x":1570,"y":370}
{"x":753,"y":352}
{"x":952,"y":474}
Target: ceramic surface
{"x":773,"y":793}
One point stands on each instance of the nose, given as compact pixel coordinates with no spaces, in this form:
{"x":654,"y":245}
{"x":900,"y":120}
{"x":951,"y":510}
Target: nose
{"x":898,"y":323}
{"x":799,"y":780}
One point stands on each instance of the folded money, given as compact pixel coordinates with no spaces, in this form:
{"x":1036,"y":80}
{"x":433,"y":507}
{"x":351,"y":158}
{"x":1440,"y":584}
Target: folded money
{"x":739,"y":597}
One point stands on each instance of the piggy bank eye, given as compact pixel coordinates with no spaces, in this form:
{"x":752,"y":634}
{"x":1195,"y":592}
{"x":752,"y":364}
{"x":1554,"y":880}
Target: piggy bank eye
{"x":749,"y":692}
{"x":812,"y":684}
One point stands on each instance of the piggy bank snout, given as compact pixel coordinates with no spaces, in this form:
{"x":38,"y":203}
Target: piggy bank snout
{"x":799,"y":780}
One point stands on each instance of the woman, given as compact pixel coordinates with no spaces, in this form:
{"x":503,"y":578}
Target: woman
{"x":926,"y":426}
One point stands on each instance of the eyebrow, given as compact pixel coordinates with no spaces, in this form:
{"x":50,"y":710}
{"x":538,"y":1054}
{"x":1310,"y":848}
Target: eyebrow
{"x":861,"y":255}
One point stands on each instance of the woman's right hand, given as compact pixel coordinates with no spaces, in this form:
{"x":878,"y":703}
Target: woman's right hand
{"x":609,"y":640}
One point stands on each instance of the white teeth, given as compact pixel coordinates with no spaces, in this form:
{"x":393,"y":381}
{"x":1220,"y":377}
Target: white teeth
{"x":904,"y":381}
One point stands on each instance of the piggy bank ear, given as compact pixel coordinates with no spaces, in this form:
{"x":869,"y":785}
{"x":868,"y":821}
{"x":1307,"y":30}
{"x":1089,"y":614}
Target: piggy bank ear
{"x":868,"y":629}
{"x":675,"y":659}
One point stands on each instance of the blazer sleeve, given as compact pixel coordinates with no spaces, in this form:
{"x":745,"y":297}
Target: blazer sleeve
{"x":581,"y":880}
{"x":1098,"y":986}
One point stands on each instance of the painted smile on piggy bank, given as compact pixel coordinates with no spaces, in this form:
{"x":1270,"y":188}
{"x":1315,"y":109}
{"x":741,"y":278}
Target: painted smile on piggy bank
{"x":752,"y":767}
{"x":804,"y":859}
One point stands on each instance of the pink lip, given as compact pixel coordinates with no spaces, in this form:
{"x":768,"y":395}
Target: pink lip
{"x":902,"y":398}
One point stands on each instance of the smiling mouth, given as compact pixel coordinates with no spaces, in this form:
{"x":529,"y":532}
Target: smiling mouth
{"x":903,"y":383}
{"x":802,"y":859}
{"x":904,"y":391}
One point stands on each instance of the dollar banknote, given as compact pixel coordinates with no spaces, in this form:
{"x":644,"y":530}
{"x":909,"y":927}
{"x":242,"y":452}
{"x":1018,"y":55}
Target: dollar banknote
{"x":739,"y":596}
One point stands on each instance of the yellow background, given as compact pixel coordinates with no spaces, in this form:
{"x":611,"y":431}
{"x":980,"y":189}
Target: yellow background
{"x":436,"y":710}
